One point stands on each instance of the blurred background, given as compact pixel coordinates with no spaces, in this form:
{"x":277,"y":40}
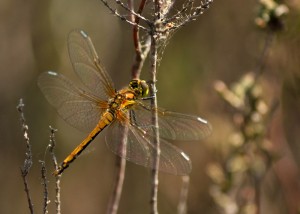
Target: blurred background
{"x":223,"y":44}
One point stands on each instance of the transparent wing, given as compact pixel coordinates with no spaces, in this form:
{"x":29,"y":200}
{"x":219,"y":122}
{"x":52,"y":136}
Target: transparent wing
{"x":172,"y":125}
{"x":74,"y":105}
{"x":87,"y":65}
{"x":140,"y":149}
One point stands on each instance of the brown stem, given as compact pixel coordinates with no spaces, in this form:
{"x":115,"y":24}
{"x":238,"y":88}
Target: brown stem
{"x":153,"y":61}
{"x":28,"y":159}
{"x":182,"y":207}
{"x":155,"y":124}
{"x":264,"y":54}
{"x":45,"y":187}
{"x":122,"y":17}
{"x":118,"y":186}
{"x":121,"y":166}
{"x":58,"y":177}
{"x":139,"y":56}
{"x":26,"y":189}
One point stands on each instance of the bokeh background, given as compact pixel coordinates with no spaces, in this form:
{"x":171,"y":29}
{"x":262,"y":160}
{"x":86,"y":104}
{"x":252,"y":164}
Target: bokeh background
{"x":223,"y":44}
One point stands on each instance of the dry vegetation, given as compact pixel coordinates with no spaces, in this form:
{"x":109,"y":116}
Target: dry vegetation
{"x":234,"y":63}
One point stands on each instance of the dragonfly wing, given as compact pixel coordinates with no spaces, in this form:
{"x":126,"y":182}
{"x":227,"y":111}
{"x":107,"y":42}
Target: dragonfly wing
{"x":183,"y":126}
{"x":140,"y":149}
{"x":172,"y":125}
{"x":74,"y":105}
{"x":87,"y":65}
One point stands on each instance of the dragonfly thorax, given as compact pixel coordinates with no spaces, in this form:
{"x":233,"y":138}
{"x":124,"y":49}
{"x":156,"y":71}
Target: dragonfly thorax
{"x":123,"y":100}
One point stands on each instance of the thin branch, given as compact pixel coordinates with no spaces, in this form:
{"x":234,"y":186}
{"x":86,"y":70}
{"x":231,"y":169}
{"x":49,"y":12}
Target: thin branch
{"x":182,"y":207}
{"x":140,"y":59}
{"x":264,"y":54}
{"x":28,"y":155}
{"x":153,"y":61}
{"x":136,"y":41}
{"x":139,"y":55}
{"x":131,"y":7}
{"x":118,"y":186}
{"x":123,"y":18}
{"x":45,"y":186}
{"x":131,"y":11}
{"x":58,"y":177}
{"x":52,"y":146}
{"x":121,"y":165}
{"x":156,"y":134}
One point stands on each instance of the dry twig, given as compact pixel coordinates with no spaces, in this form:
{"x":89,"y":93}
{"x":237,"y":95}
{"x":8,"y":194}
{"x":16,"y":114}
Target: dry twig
{"x":45,"y":187}
{"x":52,"y":145}
{"x":182,"y":206}
{"x":28,"y":155}
{"x":118,"y":186}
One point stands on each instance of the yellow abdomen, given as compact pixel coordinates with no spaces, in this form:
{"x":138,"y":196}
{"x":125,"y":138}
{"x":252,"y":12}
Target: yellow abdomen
{"x":105,"y":120}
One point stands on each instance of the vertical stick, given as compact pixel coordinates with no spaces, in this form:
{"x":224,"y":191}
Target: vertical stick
{"x":28,"y":159}
{"x":58,"y":177}
{"x":264,"y":54}
{"x":182,"y":208}
{"x":139,"y":54}
{"x":45,"y":186}
{"x":121,"y":166}
{"x":155,"y":124}
{"x":153,"y":60}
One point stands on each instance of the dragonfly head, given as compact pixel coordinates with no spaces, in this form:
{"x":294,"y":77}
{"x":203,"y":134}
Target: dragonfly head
{"x":140,"y":87}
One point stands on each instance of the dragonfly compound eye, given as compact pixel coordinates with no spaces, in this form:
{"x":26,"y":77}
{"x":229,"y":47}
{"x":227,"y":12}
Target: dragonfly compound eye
{"x":140,"y":87}
{"x":133,"y":84}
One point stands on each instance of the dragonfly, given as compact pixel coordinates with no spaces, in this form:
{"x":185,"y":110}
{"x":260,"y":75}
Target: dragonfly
{"x":97,"y":104}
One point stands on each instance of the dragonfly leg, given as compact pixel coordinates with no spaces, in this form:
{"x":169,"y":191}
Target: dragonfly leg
{"x":148,"y":98}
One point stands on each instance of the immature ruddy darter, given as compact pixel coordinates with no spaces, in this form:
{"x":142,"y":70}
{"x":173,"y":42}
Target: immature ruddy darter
{"x":98,"y":105}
